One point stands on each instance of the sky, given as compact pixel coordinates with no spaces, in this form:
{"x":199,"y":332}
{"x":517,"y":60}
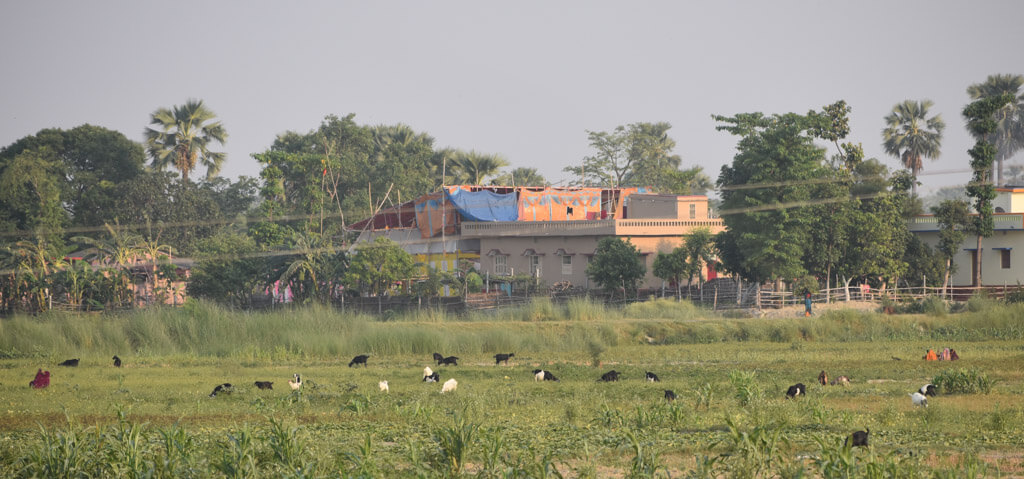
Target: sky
{"x":524,"y":79}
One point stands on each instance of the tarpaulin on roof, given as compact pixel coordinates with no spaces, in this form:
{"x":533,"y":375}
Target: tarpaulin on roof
{"x":484,"y":205}
{"x":554,"y":204}
{"x":400,"y":216}
{"x":430,"y":215}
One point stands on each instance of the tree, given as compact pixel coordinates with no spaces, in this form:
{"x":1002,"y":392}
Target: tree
{"x":30,"y":193}
{"x":699,"y":246}
{"x":182,"y":138}
{"x":617,"y":265}
{"x":116,"y":254}
{"x":474,"y":168}
{"x":953,"y":217}
{"x":1009,"y":135}
{"x":671,"y":267}
{"x":310,"y":267}
{"x":981,"y":123}
{"x":639,"y":154}
{"x":179,"y":212}
{"x":520,"y":177}
{"x":911,"y":135}
{"x":227,"y":269}
{"x":377,"y":266}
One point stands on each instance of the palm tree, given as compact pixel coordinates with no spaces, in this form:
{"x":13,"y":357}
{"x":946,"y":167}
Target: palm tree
{"x":475,"y":167}
{"x":182,"y":137}
{"x":521,"y":176}
{"x":1009,"y":135}
{"x":911,"y":136}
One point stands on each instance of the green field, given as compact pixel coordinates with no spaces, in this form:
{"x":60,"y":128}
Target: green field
{"x":153,"y":417}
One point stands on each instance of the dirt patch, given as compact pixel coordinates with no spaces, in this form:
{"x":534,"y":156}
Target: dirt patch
{"x":797,"y":310}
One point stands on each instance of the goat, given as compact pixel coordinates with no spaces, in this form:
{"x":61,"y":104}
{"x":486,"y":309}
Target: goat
{"x":499,"y":358}
{"x":927,"y":390}
{"x":427,"y":372}
{"x":69,"y":362}
{"x":542,"y":375}
{"x":221,"y":388}
{"x":264,"y":385}
{"x":450,"y":360}
{"x":361,"y":359}
{"x":823,"y":378}
{"x":438,"y":358}
{"x":670,"y":395}
{"x":41,"y":380}
{"x":296,"y":384}
{"x":433,"y":378}
{"x":383,"y":385}
{"x":610,"y":376}
{"x":919,"y":399}
{"x":841,"y":381}
{"x":860,"y":438}
{"x":117,"y":362}
{"x":449,"y":386}
{"x":796,"y":390}
{"x":651,"y":377}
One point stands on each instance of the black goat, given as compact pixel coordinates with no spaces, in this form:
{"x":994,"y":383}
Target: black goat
{"x":361,"y":359}
{"x":438,"y":358}
{"x":860,"y":438}
{"x":433,"y":378}
{"x":652,"y":377}
{"x":450,"y":360}
{"x":928,"y":390}
{"x":117,"y":362}
{"x":264,"y":385}
{"x":499,"y":358}
{"x":542,"y":375}
{"x":69,"y":362}
{"x":221,"y":388}
{"x":670,"y":395}
{"x":610,"y":376}
{"x":795,"y":390}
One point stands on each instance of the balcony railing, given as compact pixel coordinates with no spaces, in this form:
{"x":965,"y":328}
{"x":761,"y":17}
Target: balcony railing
{"x":634,"y":227}
{"x":1003,"y":222}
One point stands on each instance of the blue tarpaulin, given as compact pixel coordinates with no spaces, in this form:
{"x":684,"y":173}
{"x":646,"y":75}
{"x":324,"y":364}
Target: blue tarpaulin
{"x":484,"y":205}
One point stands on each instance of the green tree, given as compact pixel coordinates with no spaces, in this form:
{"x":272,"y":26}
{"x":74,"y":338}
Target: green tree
{"x":30,"y":194}
{"x":228,"y":269}
{"x":116,"y":253}
{"x":1009,"y":135}
{"x":639,"y":154}
{"x":981,"y":123}
{"x":377,"y":265}
{"x":671,"y":267}
{"x":700,"y":250}
{"x":520,"y":177}
{"x":310,"y":266}
{"x":179,"y":212}
{"x":474,"y":168}
{"x":953,"y":217}
{"x":181,"y":138}
{"x":617,"y":265}
{"x":911,"y":135}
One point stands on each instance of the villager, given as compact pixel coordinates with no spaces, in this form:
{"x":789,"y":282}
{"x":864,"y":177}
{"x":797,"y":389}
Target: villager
{"x":931,"y":356}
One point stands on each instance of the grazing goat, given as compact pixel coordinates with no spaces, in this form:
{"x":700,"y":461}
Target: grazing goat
{"x":361,"y":359}
{"x":221,"y":388}
{"x":927,"y":390}
{"x":449,"y":386}
{"x":651,"y":377}
{"x":383,"y":385}
{"x":670,"y":395}
{"x":295,"y":384}
{"x":69,"y":362}
{"x":264,"y":385}
{"x":795,"y":390}
{"x":499,"y":358}
{"x":450,"y":361}
{"x":823,"y":378}
{"x":841,"y":381}
{"x":117,"y":362}
{"x":433,"y":378}
{"x":427,"y":372}
{"x":438,"y":358}
{"x":41,"y":380}
{"x":919,"y":399}
{"x":860,"y":438}
{"x":610,"y":376}
{"x":542,"y":375}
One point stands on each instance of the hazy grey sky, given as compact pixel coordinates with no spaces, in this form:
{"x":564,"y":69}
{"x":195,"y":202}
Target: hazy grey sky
{"x":524,"y":79}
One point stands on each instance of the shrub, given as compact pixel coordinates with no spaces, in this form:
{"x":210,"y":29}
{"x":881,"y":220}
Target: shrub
{"x":964,"y":381}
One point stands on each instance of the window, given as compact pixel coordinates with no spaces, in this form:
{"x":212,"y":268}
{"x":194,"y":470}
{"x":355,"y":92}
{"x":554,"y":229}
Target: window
{"x":444,"y":265}
{"x":693,"y":211}
{"x":1005,"y":257}
{"x":566,"y":265}
{"x":501,"y":264}
{"x":535,"y":266}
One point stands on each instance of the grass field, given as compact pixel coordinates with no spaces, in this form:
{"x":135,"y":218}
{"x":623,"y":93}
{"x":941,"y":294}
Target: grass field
{"x":154,"y":417}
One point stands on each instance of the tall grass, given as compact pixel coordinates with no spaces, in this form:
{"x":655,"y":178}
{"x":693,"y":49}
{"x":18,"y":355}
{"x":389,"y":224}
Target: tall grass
{"x":204,"y":329}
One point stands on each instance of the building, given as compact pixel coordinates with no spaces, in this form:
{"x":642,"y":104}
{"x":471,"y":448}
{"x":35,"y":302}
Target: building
{"x":997,"y":252}
{"x":549,"y":233}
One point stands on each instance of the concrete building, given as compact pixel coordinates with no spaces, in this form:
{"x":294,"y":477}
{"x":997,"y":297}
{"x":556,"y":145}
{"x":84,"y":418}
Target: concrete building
{"x":548,"y":233}
{"x":999,"y":265}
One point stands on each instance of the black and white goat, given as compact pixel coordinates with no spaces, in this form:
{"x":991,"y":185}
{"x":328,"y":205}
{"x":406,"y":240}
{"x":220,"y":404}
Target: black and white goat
{"x":795,"y":390}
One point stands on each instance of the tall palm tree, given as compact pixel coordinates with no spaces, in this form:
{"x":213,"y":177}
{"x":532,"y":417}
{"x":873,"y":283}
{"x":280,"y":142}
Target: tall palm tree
{"x":911,"y":136}
{"x":1009,"y":135}
{"x":475,"y":167}
{"x":181,"y":138}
